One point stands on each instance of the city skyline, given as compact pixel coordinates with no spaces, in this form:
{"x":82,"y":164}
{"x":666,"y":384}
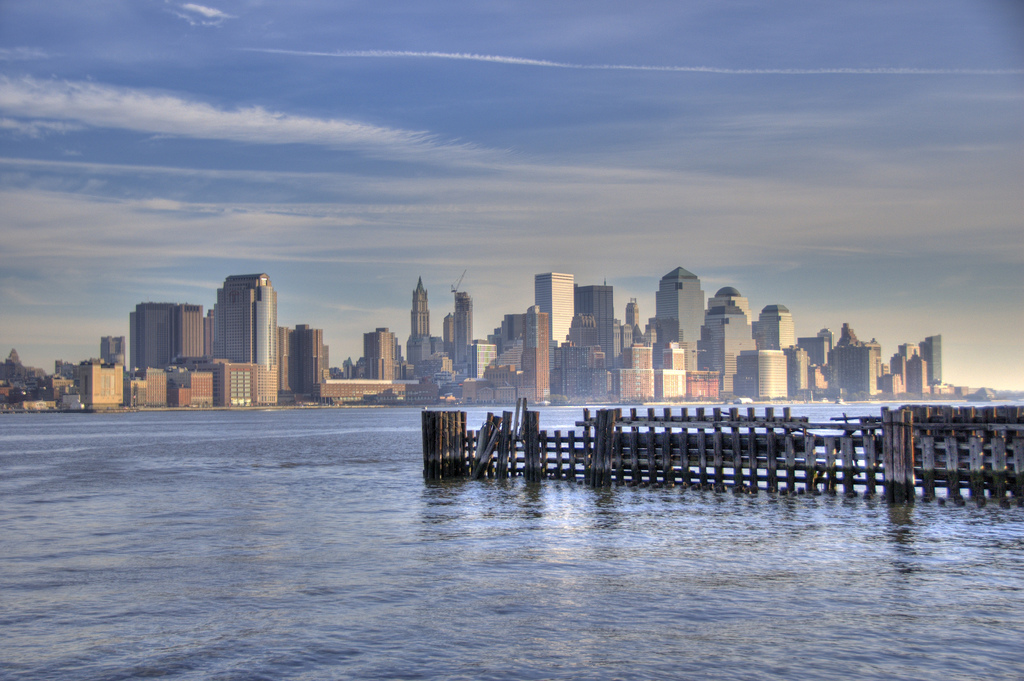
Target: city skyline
{"x":855,"y":164}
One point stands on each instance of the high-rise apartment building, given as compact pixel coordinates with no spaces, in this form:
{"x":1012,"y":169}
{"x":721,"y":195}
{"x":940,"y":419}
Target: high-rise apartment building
{"x":599,"y":301}
{"x":245,"y":328}
{"x":680,"y":298}
{"x":554,"y":295}
{"x":536,"y":355}
{"x":161,"y":332}
{"x":379,"y":353}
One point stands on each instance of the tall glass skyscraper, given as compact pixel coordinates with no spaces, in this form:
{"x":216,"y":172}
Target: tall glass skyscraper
{"x":553,"y":293}
{"x":680,"y":297}
{"x":598,"y":300}
{"x":246,"y":320}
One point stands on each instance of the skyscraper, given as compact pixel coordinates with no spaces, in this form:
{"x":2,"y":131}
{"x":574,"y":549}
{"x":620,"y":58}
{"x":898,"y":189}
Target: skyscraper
{"x":379,"y":353}
{"x":161,"y":332}
{"x":931,"y":352}
{"x":554,"y":295}
{"x":680,"y":298}
{"x":462,"y":330}
{"x":308,"y":361}
{"x":245,"y":328}
{"x":855,"y":365}
{"x":417,"y":348}
{"x":598,"y":300}
{"x":420,"y":315}
{"x":536,"y":355}
{"x":774,"y":328}
{"x":725,"y":334}
{"x":112,"y":349}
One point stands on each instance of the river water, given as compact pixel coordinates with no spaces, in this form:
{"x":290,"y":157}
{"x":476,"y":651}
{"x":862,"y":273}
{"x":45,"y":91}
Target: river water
{"x":304,"y":544}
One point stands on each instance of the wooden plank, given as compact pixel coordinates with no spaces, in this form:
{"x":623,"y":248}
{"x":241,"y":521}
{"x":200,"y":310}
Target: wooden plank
{"x":771,"y":452}
{"x":830,"y":464}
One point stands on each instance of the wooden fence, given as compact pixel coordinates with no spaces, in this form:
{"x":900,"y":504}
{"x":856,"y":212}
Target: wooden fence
{"x":932,"y":451}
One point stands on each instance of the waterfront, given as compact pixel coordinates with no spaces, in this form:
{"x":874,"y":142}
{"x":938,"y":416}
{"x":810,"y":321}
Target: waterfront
{"x":305,"y":544}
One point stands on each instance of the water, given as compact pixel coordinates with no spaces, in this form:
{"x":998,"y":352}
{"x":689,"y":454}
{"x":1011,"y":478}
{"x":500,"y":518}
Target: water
{"x":304,"y":544}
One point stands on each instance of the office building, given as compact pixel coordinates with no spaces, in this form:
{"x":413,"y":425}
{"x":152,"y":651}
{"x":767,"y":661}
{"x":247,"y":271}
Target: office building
{"x":931,"y":353}
{"x":481,"y":356}
{"x":553,"y":294}
{"x":761,"y":375}
{"x":725,"y":334}
{"x":774,"y":329}
{"x":245,"y":328}
{"x":308,"y":359}
{"x":599,"y":301}
{"x":462,"y":331}
{"x":583,"y":332}
{"x":855,"y":365}
{"x":379,"y":353}
{"x":159,"y":333}
{"x":797,"y":365}
{"x":101,"y":386}
{"x":112,"y":350}
{"x":536,"y":355}
{"x":728,"y":295}
{"x":679,"y":302}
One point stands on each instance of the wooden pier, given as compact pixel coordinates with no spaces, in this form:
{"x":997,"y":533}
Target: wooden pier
{"x":912,"y":452}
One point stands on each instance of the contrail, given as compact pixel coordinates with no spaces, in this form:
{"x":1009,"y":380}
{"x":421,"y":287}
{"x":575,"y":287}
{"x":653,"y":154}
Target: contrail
{"x":521,"y":61}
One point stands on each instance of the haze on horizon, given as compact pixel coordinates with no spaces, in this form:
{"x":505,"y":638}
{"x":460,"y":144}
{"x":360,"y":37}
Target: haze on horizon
{"x":857,"y":162}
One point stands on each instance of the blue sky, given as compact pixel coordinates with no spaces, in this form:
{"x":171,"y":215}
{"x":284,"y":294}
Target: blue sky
{"x":858,"y":162}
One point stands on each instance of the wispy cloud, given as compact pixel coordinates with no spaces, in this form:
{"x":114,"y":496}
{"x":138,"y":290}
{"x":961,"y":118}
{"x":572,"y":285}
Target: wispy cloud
{"x":21,"y":54}
{"x":522,"y":61}
{"x":104,"y":106}
{"x":36,"y":129}
{"x":200,"y":15}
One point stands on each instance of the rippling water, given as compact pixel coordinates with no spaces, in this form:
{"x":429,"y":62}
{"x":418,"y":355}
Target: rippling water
{"x":304,"y":544}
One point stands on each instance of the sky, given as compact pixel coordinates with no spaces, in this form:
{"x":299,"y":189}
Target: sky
{"x":859,"y":162}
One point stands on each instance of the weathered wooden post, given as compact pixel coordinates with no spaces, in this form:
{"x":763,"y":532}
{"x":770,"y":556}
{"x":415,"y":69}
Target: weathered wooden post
{"x":928,"y":467}
{"x":898,"y":455}
{"x":849,"y":465}
{"x":975,"y":448}
{"x":952,"y":460}
{"x":999,"y":467}
{"x":531,"y":446}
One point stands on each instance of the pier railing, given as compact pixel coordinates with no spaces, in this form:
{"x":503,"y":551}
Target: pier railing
{"x":931,"y":451}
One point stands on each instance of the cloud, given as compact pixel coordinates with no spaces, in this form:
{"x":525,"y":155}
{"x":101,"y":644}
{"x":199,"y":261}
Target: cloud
{"x":21,"y":54}
{"x":200,"y":15}
{"x":521,"y":61}
{"x":105,"y":106}
{"x":36,"y":129}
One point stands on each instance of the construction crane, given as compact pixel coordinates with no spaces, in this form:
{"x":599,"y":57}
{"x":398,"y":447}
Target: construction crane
{"x":455,"y":286}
